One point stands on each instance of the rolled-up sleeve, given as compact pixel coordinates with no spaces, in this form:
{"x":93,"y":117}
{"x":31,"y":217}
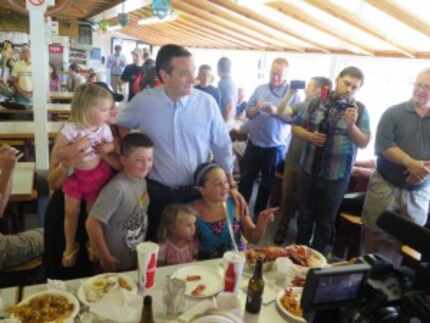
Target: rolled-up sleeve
{"x":130,"y":116}
{"x":385,"y":134}
{"x":221,"y":145}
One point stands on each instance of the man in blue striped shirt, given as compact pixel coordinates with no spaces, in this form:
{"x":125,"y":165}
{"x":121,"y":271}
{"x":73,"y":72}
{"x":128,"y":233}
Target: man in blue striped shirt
{"x":269,"y":135}
{"x":186,"y":127}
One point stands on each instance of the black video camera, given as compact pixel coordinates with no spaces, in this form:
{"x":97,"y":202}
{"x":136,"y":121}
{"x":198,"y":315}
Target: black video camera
{"x":372,"y":290}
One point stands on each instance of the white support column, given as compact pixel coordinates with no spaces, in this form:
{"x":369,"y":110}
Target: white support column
{"x":40,"y":71}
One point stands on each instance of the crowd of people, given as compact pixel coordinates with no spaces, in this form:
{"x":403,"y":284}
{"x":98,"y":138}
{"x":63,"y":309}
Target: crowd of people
{"x":162,"y":168}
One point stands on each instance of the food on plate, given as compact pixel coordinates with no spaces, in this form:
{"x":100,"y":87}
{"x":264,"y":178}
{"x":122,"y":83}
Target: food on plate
{"x":43,"y":308}
{"x":291,"y":302}
{"x":304,"y":256}
{"x":198,"y":291}
{"x":298,"y":281}
{"x":97,"y":287}
{"x":193,"y":278}
{"x":268,"y":253}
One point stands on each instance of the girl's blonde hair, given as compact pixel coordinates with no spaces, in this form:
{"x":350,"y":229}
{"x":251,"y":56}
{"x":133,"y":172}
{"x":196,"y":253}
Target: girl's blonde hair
{"x":170,"y":217}
{"x":84,"y":98}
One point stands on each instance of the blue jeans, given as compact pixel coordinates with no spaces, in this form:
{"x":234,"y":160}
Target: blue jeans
{"x":255,"y":160}
{"x":319,"y":202}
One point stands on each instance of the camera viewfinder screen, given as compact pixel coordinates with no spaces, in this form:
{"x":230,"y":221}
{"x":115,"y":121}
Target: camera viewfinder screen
{"x":338,"y":288}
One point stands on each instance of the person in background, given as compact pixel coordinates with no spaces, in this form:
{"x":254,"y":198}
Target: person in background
{"x":54,"y":79}
{"x":118,"y":219}
{"x":15,"y":249}
{"x":205,"y":79}
{"x":178,"y":241}
{"x":401,"y":182}
{"x":292,"y":159}
{"x":6,"y":56}
{"x":333,"y":128}
{"x":116,"y":64}
{"x":134,"y":74}
{"x":242,"y":103}
{"x":268,"y":135}
{"x":178,"y":105}
{"x":220,"y":222}
{"x":92,"y":77}
{"x":21,"y":78}
{"x":227,"y":89}
{"x":74,"y":78}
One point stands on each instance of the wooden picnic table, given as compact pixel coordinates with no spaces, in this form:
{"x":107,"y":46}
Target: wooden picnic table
{"x":25,"y":129}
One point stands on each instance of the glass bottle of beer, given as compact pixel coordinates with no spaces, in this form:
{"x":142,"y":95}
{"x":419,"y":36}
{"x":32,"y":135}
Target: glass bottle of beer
{"x":147,"y":316}
{"x":254,"y":296}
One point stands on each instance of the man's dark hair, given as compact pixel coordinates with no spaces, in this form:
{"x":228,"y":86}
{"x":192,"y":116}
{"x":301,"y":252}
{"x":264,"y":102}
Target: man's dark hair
{"x":322,"y":81}
{"x":354,"y":72}
{"x":224,"y":65}
{"x":165,"y":56}
{"x":135,"y":140}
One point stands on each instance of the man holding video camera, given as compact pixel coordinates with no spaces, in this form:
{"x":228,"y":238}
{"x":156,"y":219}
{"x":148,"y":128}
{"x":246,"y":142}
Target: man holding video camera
{"x":333,"y":127}
{"x":269,"y":135}
{"x":401,"y":182}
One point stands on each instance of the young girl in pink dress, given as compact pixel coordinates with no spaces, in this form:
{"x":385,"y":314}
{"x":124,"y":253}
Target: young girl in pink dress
{"x":91,"y":106}
{"x":177,"y":235}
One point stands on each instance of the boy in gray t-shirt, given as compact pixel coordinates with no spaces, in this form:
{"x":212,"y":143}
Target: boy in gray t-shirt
{"x":118,"y":219}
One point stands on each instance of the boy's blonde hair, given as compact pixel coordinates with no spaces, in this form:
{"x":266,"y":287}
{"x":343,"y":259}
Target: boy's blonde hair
{"x":170,"y":217}
{"x":85,"y":97}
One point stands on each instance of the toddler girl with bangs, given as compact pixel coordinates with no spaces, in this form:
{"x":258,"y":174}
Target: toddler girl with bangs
{"x":90,"y":112}
{"x":177,"y":235}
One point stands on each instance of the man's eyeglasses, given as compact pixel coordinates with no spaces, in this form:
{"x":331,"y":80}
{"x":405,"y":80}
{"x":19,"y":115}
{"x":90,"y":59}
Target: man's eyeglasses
{"x":423,"y":86}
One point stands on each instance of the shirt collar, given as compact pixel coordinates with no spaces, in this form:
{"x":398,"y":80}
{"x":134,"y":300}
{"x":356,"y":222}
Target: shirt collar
{"x":410,"y":107}
{"x":181,"y":102}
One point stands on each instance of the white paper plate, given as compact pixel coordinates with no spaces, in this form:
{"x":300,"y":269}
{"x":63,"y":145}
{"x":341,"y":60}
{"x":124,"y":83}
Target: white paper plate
{"x":218,"y":318}
{"x":296,"y":290}
{"x":87,"y":282}
{"x":72,"y":299}
{"x":210,"y":277}
{"x":320,"y":260}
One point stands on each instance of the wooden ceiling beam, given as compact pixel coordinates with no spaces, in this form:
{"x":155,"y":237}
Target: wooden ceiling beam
{"x":254,"y":15}
{"x":242,"y":40}
{"x":195,"y":23}
{"x":195,"y":34}
{"x":266,"y":33}
{"x":402,"y":15}
{"x":196,"y":8}
{"x":167,"y":37}
{"x":208,"y":32}
{"x":300,"y":15}
{"x":189,"y":39}
{"x":221,"y":29}
{"x":350,"y":18}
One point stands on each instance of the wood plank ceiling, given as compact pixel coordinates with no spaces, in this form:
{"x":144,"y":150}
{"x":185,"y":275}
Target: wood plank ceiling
{"x":359,"y":27}
{"x":72,"y":10}
{"x":302,"y":26}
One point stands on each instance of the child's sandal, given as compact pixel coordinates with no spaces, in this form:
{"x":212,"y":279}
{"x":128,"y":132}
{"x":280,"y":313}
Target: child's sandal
{"x":91,"y":253}
{"x":69,"y":259}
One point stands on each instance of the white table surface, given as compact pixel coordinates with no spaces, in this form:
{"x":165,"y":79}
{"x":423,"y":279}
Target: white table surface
{"x":59,"y":107}
{"x":61,"y":95}
{"x":23,"y":179}
{"x":8,"y":298}
{"x":268,"y":314}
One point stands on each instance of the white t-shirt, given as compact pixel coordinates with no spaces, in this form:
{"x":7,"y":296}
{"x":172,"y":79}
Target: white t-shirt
{"x":103,"y":134}
{"x":22,"y":71}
